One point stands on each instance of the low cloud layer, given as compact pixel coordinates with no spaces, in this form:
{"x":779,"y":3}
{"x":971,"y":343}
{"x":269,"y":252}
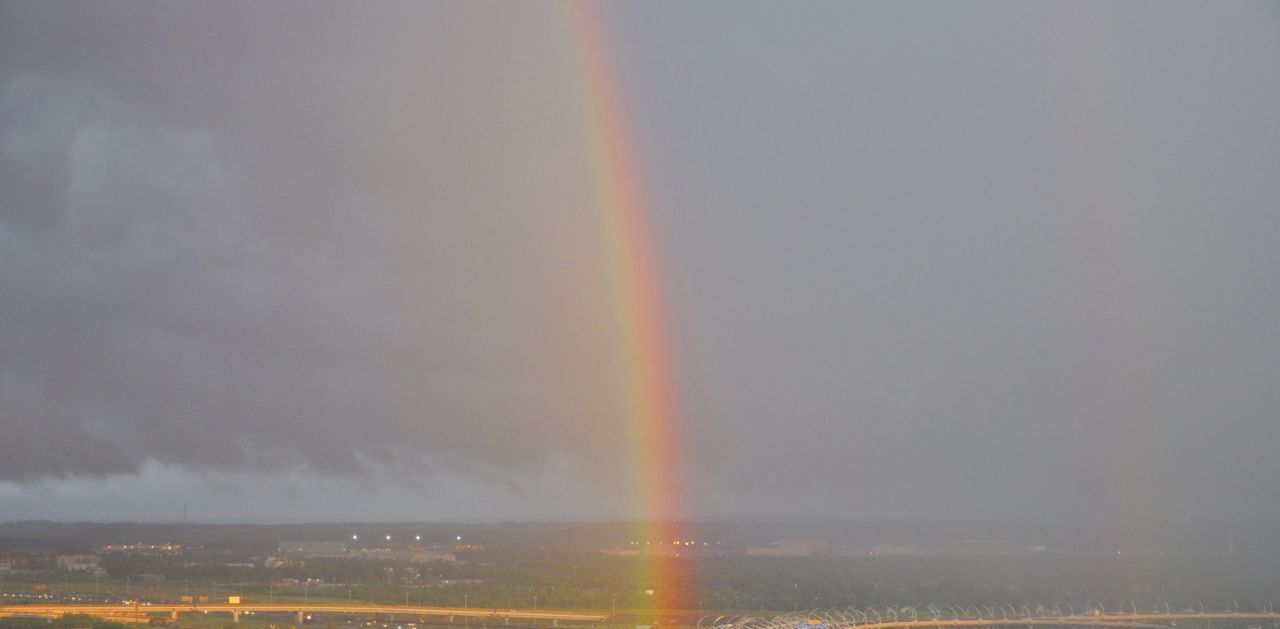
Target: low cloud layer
{"x":988,"y":261}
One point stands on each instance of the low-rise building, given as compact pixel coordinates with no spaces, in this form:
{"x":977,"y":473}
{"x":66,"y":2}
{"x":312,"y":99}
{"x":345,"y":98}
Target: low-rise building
{"x":144,"y":548}
{"x":79,"y":563}
{"x":792,"y":548}
{"x":423,"y":556}
{"x":282,"y":561}
{"x":14,"y":562}
{"x":312,"y":549}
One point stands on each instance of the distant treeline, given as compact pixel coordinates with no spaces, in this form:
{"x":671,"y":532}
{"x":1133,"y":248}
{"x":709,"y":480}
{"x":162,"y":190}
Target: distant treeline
{"x":1085,"y":537}
{"x":503,"y":579}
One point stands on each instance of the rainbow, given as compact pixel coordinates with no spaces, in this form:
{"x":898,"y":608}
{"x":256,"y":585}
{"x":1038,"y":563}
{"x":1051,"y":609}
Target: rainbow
{"x":647,"y":353}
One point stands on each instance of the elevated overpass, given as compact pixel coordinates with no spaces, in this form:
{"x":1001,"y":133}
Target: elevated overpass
{"x":851,"y":618}
{"x":973,"y":617}
{"x":1113,"y":620}
{"x":300,"y":610}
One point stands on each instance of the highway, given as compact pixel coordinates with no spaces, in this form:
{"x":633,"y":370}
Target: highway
{"x":856,"y":619}
{"x":1116,"y":620}
{"x":785,"y":621}
{"x":101,"y":609}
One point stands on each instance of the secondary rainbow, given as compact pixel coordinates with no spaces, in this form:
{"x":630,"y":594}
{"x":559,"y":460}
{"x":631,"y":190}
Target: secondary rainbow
{"x":646,"y":347}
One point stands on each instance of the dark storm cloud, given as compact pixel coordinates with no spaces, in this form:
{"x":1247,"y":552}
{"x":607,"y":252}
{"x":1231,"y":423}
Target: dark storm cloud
{"x":144,"y":307}
{"x":982,"y":259}
{"x":265,"y":238}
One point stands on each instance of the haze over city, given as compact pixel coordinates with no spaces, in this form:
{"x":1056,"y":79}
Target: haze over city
{"x":923,"y":261}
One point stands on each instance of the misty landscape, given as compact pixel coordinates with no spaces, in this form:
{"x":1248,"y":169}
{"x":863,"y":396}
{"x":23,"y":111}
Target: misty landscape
{"x":608,"y":313}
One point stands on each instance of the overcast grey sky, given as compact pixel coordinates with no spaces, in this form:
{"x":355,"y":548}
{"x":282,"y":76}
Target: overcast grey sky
{"x":927,"y":259}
